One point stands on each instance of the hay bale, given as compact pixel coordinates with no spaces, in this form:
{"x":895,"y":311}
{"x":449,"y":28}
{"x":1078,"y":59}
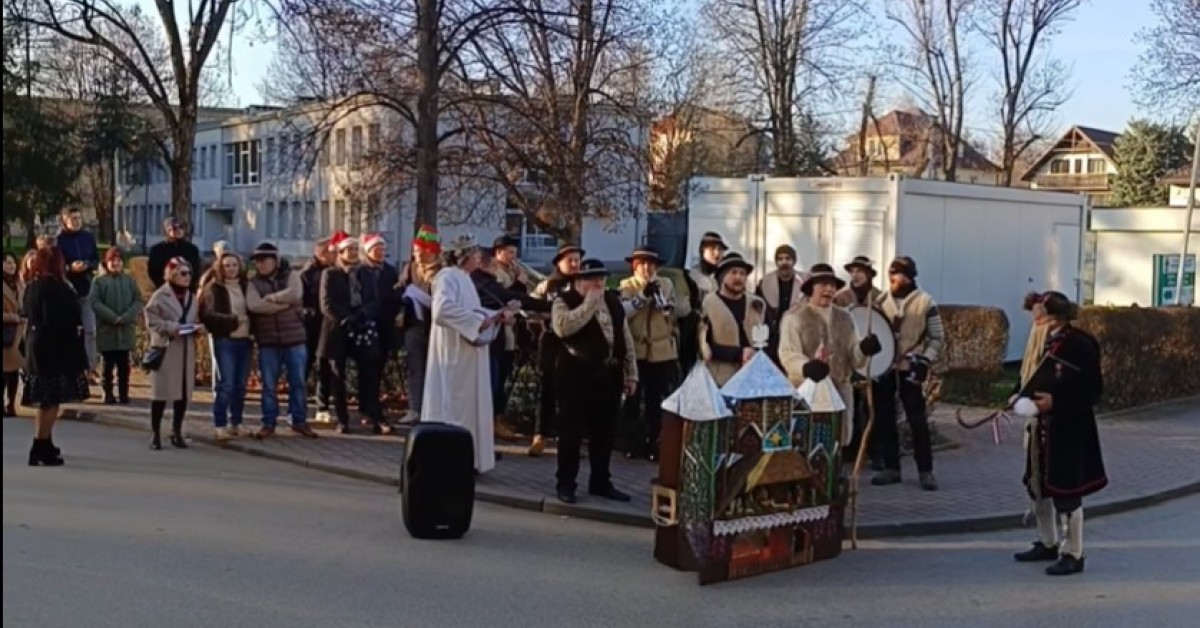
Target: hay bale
{"x":139,"y":269}
{"x":976,"y":338}
{"x":1147,"y":354}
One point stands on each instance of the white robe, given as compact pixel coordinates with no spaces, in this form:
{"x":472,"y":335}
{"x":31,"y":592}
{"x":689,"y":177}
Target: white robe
{"x":458,"y":386}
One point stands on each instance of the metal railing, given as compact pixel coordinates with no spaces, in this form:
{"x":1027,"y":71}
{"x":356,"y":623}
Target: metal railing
{"x":1073,"y":181}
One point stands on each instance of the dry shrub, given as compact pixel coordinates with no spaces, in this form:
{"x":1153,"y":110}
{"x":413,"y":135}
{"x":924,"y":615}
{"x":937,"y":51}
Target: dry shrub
{"x":1147,"y":354}
{"x":976,"y":338}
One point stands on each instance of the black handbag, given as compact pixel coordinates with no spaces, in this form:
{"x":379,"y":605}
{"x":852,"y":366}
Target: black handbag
{"x":152,"y":359}
{"x":10,"y":335}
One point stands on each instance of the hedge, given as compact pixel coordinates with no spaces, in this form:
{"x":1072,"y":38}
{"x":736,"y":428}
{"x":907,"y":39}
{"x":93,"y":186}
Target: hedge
{"x":1147,"y":354}
{"x":976,"y":339}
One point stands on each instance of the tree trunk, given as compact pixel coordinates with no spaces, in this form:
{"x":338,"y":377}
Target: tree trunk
{"x":180,"y":163}
{"x":427,"y":114}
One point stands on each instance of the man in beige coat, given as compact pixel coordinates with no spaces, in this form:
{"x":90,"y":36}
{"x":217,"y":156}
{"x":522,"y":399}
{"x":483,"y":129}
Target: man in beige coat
{"x":818,"y":340}
{"x":780,"y":289}
{"x":727,"y":319}
{"x":652,"y":312}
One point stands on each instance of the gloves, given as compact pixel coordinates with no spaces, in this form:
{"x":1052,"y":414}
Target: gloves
{"x":870,"y":345}
{"x":919,"y":369}
{"x":815,"y":370}
{"x":650,"y":290}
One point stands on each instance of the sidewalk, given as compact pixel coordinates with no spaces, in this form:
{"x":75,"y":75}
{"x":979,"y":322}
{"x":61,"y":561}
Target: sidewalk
{"x":1151,"y":455}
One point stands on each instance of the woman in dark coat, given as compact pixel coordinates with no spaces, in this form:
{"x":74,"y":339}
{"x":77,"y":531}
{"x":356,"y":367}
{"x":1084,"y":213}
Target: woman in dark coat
{"x":1064,"y":463}
{"x":56,"y":363}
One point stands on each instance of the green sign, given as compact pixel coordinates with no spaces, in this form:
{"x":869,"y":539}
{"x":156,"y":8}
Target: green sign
{"x":1166,"y":273}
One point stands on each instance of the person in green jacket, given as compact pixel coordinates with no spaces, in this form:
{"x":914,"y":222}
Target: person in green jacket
{"x":117,"y":302}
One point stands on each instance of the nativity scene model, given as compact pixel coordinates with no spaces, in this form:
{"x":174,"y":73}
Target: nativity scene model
{"x":749,"y":474}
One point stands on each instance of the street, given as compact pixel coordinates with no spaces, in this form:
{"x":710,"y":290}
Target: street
{"x":123,"y":536}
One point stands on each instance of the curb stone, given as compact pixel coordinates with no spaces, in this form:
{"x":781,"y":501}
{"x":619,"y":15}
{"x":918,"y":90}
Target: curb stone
{"x":548,"y":505}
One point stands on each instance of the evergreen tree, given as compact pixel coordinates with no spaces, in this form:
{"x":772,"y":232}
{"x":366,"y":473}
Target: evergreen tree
{"x":1144,"y":153}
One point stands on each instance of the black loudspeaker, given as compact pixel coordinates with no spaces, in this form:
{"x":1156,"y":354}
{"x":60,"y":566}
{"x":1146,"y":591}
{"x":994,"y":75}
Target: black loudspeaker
{"x":437,"y":481}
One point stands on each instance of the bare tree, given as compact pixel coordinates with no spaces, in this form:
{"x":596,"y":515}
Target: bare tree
{"x":784,"y":55}
{"x":1031,"y":85}
{"x":399,"y":56}
{"x":1167,"y":75}
{"x":559,"y":127}
{"x":165,"y":57}
{"x":937,"y":60}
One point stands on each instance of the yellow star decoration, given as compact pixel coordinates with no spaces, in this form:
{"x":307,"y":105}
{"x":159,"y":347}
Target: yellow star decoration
{"x":775,"y":438}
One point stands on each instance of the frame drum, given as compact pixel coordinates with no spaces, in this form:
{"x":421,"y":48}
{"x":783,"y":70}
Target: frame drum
{"x":881,"y":363}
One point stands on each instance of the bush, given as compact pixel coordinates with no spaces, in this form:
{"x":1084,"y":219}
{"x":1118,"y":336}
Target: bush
{"x":1147,"y":354}
{"x":976,"y":339}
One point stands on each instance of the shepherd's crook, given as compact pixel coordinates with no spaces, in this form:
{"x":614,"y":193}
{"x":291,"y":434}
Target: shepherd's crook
{"x":862,"y":447}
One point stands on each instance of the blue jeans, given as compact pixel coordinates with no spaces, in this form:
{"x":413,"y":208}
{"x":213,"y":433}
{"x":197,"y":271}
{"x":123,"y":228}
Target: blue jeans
{"x":231,"y":369}
{"x":270,"y":361}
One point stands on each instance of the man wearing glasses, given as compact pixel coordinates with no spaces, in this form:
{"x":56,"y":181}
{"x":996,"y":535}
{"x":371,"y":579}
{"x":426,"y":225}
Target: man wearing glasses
{"x":175,"y":245}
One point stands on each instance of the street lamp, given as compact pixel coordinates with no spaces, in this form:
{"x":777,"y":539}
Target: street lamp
{"x":1187,"y":218}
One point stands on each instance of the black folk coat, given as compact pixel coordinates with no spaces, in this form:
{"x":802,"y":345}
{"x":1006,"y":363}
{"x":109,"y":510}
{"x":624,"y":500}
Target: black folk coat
{"x":1069,"y":462}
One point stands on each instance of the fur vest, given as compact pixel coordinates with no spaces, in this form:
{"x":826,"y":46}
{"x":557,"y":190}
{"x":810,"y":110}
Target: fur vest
{"x":717,"y":317}
{"x":803,"y":333}
{"x":908,"y":323}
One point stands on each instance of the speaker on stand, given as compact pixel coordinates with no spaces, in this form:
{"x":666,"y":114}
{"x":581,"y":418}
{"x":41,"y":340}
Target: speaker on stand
{"x":437,"y":481}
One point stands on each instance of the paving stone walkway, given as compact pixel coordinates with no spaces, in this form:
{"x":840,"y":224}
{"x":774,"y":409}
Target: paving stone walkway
{"x":1151,"y":455}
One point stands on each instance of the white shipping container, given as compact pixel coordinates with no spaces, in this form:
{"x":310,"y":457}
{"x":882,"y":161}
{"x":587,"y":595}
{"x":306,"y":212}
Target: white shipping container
{"x":973,"y":244}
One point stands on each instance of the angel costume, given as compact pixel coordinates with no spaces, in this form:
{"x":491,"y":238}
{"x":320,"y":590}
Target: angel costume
{"x":458,"y":388}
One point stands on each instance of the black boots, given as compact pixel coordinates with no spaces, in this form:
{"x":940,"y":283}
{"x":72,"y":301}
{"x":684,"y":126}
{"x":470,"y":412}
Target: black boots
{"x":45,"y":454}
{"x":1066,"y":565}
{"x":157,"y":409}
{"x":1038,"y":553}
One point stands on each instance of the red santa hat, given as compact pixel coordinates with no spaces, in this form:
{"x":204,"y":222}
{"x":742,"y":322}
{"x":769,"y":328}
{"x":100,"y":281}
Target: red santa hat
{"x":372,"y":240}
{"x":342,"y":240}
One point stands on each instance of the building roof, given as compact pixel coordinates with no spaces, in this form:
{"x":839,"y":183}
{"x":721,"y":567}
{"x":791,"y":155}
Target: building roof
{"x":1100,"y":140}
{"x":758,"y":379}
{"x":698,"y":398}
{"x":1179,"y":176}
{"x":914,"y":125}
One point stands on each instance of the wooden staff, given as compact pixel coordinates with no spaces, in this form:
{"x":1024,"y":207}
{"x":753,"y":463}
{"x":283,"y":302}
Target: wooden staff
{"x":862,"y":447}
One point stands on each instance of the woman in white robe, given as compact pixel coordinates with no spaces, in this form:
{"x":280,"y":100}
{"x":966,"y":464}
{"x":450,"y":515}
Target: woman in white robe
{"x":458,"y":388}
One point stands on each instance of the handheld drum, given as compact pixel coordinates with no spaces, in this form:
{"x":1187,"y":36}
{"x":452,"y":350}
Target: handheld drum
{"x":866,"y":317}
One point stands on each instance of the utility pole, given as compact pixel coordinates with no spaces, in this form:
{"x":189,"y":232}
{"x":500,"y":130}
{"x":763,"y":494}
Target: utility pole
{"x":1187,"y":221}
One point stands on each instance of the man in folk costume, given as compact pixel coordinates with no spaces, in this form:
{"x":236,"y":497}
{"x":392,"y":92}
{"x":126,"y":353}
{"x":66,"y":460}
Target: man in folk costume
{"x":819,"y":340}
{"x":458,"y":387}
{"x":494,"y":295}
{"x":415,"y":318}
{"x":701,"y":280}
{"x":349,"y":304}
{"x":862,"y":290}
{"x":726,"y":319}
{"x":1063,"y":463}
{"x":780,"y":289}
{"x":919,"y":337}
{"x":653,"y":311}
{"x":566,"y":264}
{"x":596,"y":363}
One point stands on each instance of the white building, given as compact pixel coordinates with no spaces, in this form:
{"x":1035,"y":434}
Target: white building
{"x":1134,"y":255}
{"x":1082,"y":161}
{"x":264,"y":175}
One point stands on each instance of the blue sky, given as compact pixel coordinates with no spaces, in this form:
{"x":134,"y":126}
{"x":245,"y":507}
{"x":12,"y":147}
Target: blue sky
{"x":1099,"y":43}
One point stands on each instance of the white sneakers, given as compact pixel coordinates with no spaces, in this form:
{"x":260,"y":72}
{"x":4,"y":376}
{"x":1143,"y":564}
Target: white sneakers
{"x":227,"y":433}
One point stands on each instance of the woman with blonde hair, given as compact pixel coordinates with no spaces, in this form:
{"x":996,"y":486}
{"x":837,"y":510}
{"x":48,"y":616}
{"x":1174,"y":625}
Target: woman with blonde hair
{"x":171,"y":316}
{"x":117,"y":301}
{"x":224,"y":314}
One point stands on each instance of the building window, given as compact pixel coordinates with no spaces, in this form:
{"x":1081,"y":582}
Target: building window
{"x":269,"y":220}
{"x":281,"y":219}
{"x":212,"y":162}
{"x":310,"y":220}
{"x":194,"y":170}
{"x":373,"y":132}
{"x":297,"y":220}
{"x":1060,"y":166}
{"x":242,"y":162}
{"x":356,"y":145}
{"x":324,"y":217}
{"x":1096,"y":166}
{"x":297,"y":149}
{"x":339,"y":215}
{"x":324,"y":149}
{"x":203,"y":162}
{"x":339,"y":148}
{"x":1078,"y":166}
{"x":517,"y":225}
{"x":356,"y":217}
{"x":271,"y":159}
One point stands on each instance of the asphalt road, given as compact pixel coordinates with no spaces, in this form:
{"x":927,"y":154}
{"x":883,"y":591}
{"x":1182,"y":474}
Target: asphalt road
{"x":126,"y":537}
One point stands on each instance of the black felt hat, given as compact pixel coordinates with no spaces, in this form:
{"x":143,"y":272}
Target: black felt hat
{"x":712,"y":238}
{"x":903,"y":265}
{"x":591,"y":269}
{"x":863,"y":262}
{"x":819,"y":273}
{"x":566,"y":250}
{"x":733,"y":260}
{"x":644,"y":253}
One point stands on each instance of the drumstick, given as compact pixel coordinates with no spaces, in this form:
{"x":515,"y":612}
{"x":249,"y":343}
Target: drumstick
{"x":862,"y":448}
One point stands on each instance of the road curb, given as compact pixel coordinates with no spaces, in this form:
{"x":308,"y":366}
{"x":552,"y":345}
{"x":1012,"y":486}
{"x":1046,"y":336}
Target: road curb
{"x":550,"y":506}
